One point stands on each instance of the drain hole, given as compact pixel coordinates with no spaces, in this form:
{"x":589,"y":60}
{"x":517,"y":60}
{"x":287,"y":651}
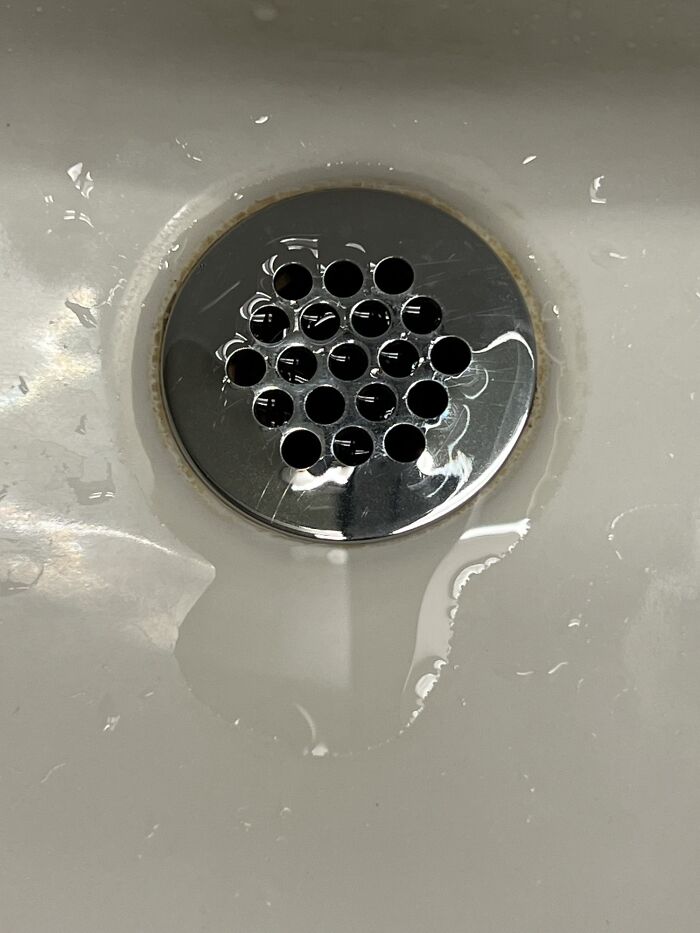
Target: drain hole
{"x":301,"y":449}
{"x":450,"y":356}
{"x":348,"y":361}
{"x":246,"y":367}
{"x":398,"y":358}
{"x":376,"y":402}
{"x":427,"y":399}
{"x":393,"y":275}
{"x":343,"y":278}
{"x":325,"y":405}
{"x":353,"y":446}
{"x":273,"y":407}
{"x":421,"y":315}
{"x":269,"y":324}
{"x":404,"y":443}
{"x":296,"y":364}
{"x":292,"y":281}
{"x":370,"y":318}
{"x":320,"y":322}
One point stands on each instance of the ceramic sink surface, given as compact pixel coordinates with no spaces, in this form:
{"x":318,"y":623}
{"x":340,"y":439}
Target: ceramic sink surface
{"x":489,"y":725}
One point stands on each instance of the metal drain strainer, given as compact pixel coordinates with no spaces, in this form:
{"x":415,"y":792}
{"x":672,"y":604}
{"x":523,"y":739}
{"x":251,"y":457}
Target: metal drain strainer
{"x":348,"y":364}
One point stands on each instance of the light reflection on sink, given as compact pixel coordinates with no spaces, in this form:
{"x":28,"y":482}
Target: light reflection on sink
{"x":547,"y":783}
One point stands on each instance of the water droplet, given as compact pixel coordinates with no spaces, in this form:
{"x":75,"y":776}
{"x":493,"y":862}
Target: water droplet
{"x":91,"y":492}
{"x":595,"y":190}
{"x":265,"y":12}
{"x":79,"y":217}
{"x":82,"y":179}
{"x":18,"y":572}
{"x":337,"y":556}
{"x":185,"y":146}
{"x":424,"y":685}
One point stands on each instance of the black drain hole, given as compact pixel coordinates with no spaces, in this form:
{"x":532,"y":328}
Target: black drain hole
{"x":296,"y":364}
{"x":246,"y":367}
{"x":273,"y":408}
{"x":320,"y":322}
{"x":348,"y":361}
{"x":301,"y":449}
{"x":353,"y":446}
{"x":421,"y":315}
{"x":293,"y":281}
{"x":325,"y":405}
{"x":376,"y":402}
{"x":427,"y":399}
{"x":404,"y":443}
{"x":269,"y":324}
{"x":450,"y":356}
{"x":393,"y":275}
{"x":398,"y":358}
{"x":370,"y":318}
{"x":343,"y":278}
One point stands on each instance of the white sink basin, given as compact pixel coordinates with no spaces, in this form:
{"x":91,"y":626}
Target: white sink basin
{"x":490,"y":725}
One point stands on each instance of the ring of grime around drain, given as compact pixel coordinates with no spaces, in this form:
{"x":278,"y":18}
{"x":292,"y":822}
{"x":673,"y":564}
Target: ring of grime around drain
{"x":348,"y":364}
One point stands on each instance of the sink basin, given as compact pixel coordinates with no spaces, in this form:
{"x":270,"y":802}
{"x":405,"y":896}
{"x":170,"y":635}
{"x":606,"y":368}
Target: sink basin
{"x":489,"y":724}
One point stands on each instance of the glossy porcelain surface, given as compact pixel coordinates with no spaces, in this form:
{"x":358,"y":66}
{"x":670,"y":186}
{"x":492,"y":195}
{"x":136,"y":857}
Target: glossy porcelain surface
{"x":488,"y":725}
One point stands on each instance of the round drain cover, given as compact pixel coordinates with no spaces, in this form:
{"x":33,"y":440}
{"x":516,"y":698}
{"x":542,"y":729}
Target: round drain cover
{"x":348,"y":364}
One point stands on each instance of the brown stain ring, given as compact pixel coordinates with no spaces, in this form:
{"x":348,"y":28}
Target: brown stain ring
{"x":542,"y":360}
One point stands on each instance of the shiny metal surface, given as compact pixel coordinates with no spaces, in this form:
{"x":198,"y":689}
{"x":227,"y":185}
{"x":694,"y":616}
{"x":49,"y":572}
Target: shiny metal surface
{"x":492,"y":725}
{"x":349,"y":364}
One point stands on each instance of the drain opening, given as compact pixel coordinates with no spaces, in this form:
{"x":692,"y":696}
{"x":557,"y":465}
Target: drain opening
{"x":450,"y":356}
{"x":343,"y":278}
{"x":358,"y":368}
{"x":297,"y":365}
{"x":370,"y":318}
{"x":393,"y":275}
{"x":348,"y":361}
{"x":376,"y":402}
{"x":269,"y":324}
{"x":427,"y":399}
{"x":421,"y":315}
{"x":399,"y":358}
{"x":320,"y":322}
{"x":301,"y":449}
{"x":293,"y":281}
{"x":273,"y":408}
{"x":246,"y":367}
{"x":353,"y":446}
{"x":404,"y":443}
{"x":325,"y":405}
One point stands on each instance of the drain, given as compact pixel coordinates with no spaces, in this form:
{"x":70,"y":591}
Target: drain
{"x":348,"y":364}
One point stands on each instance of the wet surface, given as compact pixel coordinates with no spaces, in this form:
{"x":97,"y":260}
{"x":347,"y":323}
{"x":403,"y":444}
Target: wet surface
{"x":549,"y":781}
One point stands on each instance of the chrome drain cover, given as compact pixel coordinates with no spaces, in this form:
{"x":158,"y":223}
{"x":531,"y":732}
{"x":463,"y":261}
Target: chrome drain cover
{"x":348,"y":364}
